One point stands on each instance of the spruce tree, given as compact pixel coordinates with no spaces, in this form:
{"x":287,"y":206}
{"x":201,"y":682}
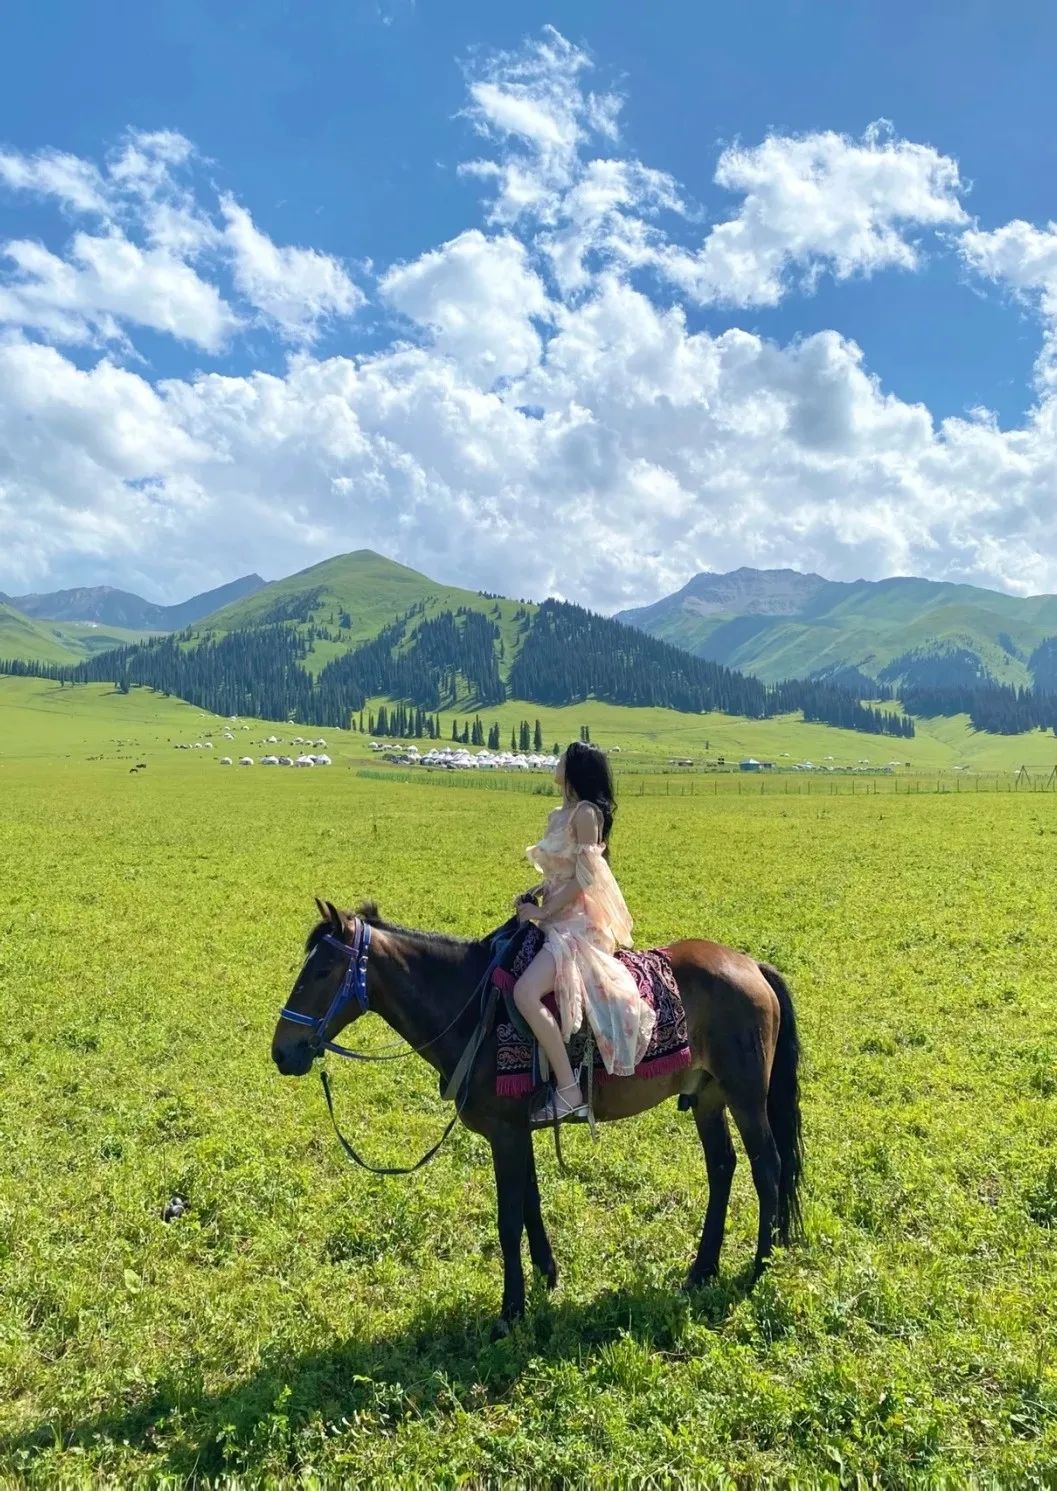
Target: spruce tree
{"x":537,"y":737}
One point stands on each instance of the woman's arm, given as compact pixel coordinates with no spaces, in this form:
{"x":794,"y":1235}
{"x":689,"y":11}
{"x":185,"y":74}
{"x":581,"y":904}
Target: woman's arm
{"x":554,"y":903}
{"x":587,"y":829}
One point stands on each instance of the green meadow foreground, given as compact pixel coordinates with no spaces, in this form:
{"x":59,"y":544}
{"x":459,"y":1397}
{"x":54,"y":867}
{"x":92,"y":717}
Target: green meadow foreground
{"x":305,"y":1323}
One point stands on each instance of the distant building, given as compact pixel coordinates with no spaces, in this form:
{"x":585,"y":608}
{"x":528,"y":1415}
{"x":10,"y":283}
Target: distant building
{"x":750,"y":764}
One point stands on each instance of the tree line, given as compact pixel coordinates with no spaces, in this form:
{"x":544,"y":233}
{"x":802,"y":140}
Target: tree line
{"x":567,"y":656}
{"x":999,"y":709}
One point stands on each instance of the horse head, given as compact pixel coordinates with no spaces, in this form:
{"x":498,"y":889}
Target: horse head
{"x":329,"y":993}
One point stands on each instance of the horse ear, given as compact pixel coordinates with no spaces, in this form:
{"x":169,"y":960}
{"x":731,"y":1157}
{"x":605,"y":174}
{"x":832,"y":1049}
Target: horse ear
{"x":330,"y":913}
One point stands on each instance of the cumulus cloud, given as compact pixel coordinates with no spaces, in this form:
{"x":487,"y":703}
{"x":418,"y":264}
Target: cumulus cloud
{"x":815,"y":203}
{"x":296,"y":289}
{"x":105,"y":282}
{"x":157,"y":264}
{"x":542,"y":420}
{"x":531,"y":102}
{"x":478,"y":299}
{"x":1024,"y":258}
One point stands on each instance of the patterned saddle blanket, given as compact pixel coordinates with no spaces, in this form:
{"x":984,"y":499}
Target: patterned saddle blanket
{"x":517,"y":1064}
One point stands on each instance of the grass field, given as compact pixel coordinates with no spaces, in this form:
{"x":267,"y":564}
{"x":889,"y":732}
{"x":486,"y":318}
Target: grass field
{"x":304,"y":1324}
{"x":39,"y":720}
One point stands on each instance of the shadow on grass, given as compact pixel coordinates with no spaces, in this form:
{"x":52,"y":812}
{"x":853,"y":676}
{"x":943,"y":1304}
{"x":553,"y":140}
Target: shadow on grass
{"x":443,"y":1359}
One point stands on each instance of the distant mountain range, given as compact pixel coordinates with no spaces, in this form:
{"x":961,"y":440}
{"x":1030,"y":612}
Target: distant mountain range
{"x":905,"y":633}
{"x":322,"y":645}
{"x":104,"y":605}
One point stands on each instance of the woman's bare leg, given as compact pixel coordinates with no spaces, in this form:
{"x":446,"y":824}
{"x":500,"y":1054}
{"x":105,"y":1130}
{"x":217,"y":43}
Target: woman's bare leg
{"x":531,"y":989}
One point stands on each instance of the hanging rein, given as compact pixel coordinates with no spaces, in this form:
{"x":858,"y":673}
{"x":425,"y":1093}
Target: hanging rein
{"x":353,"y":990}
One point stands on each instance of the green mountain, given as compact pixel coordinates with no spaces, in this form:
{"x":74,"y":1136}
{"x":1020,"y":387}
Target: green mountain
{"x":321,"y":645}
{"x":779,"y":624}
{"x":349,"y":599}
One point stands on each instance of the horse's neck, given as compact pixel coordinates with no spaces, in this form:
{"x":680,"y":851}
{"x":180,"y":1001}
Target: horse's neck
{"x":420,"y":988}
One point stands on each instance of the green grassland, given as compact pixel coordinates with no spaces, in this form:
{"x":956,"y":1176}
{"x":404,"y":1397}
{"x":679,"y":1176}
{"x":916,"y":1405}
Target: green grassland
{"x":305,"y":1324}
{"x":39,"y":719}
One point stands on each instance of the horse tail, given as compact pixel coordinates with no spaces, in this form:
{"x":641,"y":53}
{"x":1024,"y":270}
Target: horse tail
{"x":783,"y":1112}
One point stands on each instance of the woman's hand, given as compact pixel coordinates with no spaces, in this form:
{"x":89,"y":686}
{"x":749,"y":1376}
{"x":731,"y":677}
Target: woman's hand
{"x":526,"y":910}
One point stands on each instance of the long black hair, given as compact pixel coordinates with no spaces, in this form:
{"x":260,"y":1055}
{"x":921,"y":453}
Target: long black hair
{"x":587,"y":774}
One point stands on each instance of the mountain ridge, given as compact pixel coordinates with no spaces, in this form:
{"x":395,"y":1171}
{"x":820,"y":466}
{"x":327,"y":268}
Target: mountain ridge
{"x":108,"y":606}
{"x":899,"y":630}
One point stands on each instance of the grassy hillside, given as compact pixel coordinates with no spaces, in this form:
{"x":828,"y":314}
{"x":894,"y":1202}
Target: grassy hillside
{"x":371,"y":591}
{"x":38,"y":641}
{"x":33,"y":641}
{"x":868,"y":625}
{"x":40,"y":720}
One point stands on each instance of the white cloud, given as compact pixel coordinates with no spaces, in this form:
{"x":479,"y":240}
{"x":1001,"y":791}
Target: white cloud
{"x":531,"y":102}
{"x":815,"y":203}
{"x":106,"y":281}
{"x":1024,"y":258}
{"x":75,"y":183}
{"x":479,"y":299}
{"x":555,"y":429}
{"x":296,"y":289}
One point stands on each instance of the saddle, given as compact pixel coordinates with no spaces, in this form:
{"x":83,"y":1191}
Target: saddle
{"x":517,"y":1056}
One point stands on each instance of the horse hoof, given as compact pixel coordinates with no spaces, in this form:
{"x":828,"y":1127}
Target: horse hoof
{"x":693,"y":1282}
{"x":500,"y":1330}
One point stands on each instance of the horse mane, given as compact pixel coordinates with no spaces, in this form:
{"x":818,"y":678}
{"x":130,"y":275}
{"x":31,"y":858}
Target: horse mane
{"x":368,"y":912}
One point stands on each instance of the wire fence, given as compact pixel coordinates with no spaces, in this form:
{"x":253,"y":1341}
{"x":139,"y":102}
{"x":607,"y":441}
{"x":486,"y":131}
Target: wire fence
{"x":747,"y":784}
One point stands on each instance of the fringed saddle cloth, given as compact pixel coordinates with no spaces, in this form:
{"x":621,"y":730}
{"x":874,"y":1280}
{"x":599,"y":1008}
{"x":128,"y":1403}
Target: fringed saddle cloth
{"x":517,"y":1064}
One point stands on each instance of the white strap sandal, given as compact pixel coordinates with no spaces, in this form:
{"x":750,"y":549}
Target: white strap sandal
{"x":558,"y":1109}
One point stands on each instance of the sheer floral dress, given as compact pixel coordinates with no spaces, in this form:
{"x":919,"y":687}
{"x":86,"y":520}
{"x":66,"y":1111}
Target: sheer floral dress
{"x":590,"y":984}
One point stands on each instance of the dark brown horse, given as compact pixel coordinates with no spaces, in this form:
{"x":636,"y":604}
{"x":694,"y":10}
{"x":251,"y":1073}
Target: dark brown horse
{"x":743,"y":1037}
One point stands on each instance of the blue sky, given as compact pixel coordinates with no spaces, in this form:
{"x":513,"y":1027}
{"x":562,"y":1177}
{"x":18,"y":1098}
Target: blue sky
{"x":341,"y":133}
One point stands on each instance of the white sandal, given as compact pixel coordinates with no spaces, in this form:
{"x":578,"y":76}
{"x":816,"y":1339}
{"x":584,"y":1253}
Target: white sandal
{"x":558,"y":1109}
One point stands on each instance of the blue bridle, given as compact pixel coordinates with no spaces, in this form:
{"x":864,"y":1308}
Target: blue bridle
{"x":353,"y":989}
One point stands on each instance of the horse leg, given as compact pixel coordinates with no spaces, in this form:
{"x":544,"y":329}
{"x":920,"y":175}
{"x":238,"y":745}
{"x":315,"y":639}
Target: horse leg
{"x":766,"y":1167}
{"x":720,"y":1160}
{"x":538,"y":1241}
{"x":511,"y":1148}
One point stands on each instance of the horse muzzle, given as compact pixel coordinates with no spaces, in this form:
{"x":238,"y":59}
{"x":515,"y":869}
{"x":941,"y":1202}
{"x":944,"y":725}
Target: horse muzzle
{"x":295,"y":1060}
